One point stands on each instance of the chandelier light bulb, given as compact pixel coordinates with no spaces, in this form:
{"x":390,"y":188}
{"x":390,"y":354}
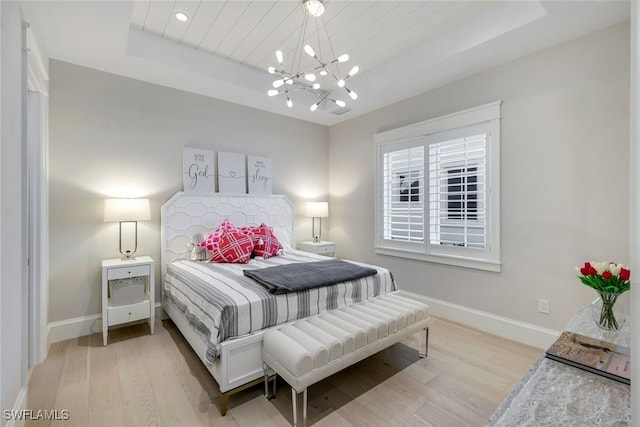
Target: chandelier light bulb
{"x":339,"y":103}
{"x":314,"y":106}
{"x":278,"y":83}
{"x":354,"y":70}
{"x":343,"y":58}
{"x":273,"y":92}
{"x":310,"y":77}
{"x":271,"y":70}
{"x":316,"y":86}
{"x":309,"y":50}
{"x":279,"y":56}
{"x":323,"y":72}
{"x":289,"y":102}
{"x":352,"y":94}
{"x":341,"y":83}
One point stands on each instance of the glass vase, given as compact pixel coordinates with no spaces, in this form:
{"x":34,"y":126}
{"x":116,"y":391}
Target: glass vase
{"x":606,"y":313}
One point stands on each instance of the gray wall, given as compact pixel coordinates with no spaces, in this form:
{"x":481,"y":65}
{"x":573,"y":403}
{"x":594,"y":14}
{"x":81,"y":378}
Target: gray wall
{"x":112,"y":136}
{"x":565,"y":146}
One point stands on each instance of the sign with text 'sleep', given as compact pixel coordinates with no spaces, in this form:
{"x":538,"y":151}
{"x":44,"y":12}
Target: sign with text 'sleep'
{"x":259,"y":174}
{"x":198,"y":170}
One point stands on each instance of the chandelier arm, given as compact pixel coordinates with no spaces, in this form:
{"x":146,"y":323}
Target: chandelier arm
{"x":311,"y":70}
{"x":334,"y":76}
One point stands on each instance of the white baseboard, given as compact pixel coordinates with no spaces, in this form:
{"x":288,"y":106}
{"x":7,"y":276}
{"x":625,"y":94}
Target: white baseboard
{"x":20,"y":405}
{"x":74,"y":328}
{"x":81,"y":326}
{"x":505,"y":327}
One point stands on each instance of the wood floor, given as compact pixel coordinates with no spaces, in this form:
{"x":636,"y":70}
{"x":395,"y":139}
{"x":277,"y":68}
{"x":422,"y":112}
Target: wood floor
{"x":149,"y":380}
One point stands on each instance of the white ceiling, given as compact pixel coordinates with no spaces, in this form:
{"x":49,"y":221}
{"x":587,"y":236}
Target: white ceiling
{"x":403,"y":48}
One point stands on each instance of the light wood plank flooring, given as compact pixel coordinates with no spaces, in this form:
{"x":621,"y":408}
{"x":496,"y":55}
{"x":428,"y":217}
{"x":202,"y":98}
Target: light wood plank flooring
{"x":157,"y":380}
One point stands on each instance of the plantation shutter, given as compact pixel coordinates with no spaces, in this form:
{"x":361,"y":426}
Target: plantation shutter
{"x":403,"y":206}
{"x":458,"y":188}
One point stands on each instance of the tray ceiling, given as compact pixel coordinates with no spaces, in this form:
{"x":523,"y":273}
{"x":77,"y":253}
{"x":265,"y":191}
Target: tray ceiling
{"x":403,"y":47}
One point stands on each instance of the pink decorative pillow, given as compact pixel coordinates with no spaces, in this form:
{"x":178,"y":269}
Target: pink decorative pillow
{"x":265,"y":242}
{"x":211,"y":242}
{"x":234,"y":247}
{"x":248,"y":229}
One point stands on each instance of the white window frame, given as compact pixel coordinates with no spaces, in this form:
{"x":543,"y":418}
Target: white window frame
{"x":407,"y":136}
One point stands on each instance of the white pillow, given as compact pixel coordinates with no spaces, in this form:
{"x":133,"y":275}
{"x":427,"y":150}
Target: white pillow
{"x":283,"y":237}
{"x":198,"y":253}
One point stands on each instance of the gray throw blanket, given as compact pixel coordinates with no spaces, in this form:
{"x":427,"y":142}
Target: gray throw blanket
{"x":281,"y":279}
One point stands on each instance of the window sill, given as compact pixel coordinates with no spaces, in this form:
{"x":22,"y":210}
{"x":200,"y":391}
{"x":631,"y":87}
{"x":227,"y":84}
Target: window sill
{"x":473,"y":263}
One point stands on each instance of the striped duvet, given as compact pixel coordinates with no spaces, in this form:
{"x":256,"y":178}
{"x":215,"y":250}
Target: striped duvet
{"x":221,"y":303}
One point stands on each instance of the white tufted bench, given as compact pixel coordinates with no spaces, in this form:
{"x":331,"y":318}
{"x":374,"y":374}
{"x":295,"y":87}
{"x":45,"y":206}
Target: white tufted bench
{"x":311,"y":349}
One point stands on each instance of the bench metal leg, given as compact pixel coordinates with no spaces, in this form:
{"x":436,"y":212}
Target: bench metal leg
{"x":269,"y":382}
{"x":299,"y":413}
{"x":424,"y":342}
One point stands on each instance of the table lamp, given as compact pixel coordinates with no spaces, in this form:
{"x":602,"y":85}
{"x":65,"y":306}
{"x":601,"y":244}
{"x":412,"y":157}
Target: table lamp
{"x":127,"y":210}
{"x":317,"y":210}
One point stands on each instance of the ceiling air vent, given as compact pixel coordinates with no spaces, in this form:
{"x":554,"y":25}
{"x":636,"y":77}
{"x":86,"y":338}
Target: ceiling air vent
{"x":341,"y":111}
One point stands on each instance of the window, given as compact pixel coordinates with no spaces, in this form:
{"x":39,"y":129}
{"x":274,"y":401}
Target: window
{"x":438,"y":190}
{"x":404,"y":195}
{"x":462,"y":196}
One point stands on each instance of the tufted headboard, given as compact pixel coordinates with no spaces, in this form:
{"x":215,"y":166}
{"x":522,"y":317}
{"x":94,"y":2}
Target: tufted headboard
{"x":184,"y":215}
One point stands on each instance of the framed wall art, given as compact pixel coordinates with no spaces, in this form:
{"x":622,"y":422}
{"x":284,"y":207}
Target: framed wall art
{"x":259,"y":174}
{"x":232,"y":173}
{"x":198,"y":171}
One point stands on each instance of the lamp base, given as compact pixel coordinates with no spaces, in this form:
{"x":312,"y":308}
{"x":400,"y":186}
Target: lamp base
{"x":316,"y":237}
{"x":128,"y":256}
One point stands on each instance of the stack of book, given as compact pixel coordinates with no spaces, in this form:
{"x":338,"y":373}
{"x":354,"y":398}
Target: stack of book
{"x":593,"y":355}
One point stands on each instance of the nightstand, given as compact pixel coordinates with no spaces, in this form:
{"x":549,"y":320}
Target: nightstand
{"x":127,"y":292}
{"x":320,"y":248}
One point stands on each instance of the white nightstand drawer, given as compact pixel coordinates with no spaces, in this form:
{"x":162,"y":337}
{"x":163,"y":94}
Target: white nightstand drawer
{"x":320,"y":248}
{"x":326,"y":249}
{"x":128,"y":313}
{"x":125,"y":272}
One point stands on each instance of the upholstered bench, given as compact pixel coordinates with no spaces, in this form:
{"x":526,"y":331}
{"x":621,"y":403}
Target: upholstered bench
{"x":311,"y":349}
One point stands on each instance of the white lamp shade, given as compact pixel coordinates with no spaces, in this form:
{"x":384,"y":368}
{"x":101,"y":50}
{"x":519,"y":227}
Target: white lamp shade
{"x":126,"y":210}
{"x":317,"y":210}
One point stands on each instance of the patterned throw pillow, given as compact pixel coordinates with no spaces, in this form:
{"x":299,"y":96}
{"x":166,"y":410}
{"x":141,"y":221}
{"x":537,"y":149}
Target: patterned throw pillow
{"x":248,"y":229}
{"x":265,"y":242}
{"x":234,"y":247}
{"x":211,"y":242}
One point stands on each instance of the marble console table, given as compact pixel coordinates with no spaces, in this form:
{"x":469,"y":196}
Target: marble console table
{"x":555,"y":394}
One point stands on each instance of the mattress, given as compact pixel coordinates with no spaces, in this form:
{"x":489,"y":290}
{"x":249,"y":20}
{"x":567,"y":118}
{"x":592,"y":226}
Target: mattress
{"x":220,"y":303}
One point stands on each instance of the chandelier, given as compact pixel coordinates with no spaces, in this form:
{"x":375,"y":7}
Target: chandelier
{"x":320,"y":78}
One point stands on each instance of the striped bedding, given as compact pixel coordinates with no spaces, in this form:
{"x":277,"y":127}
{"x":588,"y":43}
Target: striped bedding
{"x":221,"y":303}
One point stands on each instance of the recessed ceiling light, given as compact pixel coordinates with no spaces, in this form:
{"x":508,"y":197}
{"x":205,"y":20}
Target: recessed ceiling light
{"x":182,"y":17}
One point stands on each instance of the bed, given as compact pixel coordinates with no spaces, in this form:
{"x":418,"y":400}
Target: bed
{"x":232,"y":352}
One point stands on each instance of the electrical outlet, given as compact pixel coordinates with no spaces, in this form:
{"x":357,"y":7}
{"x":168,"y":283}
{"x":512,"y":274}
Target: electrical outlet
{"x":543,"y":306}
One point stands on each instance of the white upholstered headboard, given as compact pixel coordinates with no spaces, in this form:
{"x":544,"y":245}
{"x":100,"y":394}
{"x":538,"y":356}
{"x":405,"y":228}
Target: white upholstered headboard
{"x":184,"y":215}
